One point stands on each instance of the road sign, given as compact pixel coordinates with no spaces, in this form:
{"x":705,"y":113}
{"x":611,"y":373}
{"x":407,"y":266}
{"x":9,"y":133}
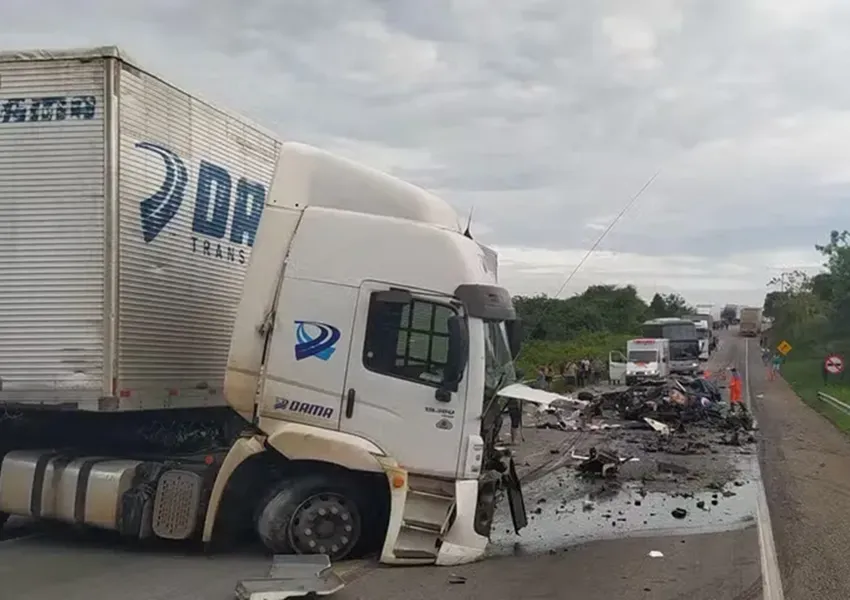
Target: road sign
{"x":784,"y":347}
{"x":834,"y":364}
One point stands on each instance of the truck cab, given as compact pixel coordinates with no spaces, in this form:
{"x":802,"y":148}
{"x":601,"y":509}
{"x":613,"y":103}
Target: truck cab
{"x":647,"y":358}
{"x":372,"y":337}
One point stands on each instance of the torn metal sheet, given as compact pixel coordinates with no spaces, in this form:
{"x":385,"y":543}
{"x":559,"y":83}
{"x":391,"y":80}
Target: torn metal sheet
{"x":293,"y":577}
{"x":520,"y":391}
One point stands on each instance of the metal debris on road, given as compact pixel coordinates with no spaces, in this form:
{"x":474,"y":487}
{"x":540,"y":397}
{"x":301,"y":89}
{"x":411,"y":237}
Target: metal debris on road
{"x":600,"y":462}
{"x":294,"y":576}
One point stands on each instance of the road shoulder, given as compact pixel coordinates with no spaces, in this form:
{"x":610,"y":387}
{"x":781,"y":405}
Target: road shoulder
{"x":804,"y":462}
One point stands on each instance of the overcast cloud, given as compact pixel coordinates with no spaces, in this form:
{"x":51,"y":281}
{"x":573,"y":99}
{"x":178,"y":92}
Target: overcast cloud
{"x":546,"y":116}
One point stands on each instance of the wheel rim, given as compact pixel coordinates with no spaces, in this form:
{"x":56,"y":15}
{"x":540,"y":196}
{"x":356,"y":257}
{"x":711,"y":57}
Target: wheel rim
{"x":325,"y":524}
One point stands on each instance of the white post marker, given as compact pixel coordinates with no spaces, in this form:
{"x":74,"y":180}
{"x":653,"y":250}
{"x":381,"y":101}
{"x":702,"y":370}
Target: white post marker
{"x":834,"y":364}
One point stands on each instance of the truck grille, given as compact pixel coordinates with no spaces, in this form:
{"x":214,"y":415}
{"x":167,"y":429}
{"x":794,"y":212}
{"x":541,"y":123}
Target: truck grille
{"x":175,"y":512}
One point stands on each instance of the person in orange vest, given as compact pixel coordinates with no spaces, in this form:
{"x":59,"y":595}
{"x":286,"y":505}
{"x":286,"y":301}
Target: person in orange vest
{"x":735,"y":386}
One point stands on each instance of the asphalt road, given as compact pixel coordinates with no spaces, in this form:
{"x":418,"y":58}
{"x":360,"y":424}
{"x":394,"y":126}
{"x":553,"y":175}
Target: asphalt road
{"x":565,"y":553}
{"x":806,"y":470}
{"x":708,"y":556}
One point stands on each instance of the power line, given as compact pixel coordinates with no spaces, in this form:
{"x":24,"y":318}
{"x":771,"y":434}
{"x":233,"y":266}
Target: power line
{"x":598,"y":241}
{"x":607,"y":230}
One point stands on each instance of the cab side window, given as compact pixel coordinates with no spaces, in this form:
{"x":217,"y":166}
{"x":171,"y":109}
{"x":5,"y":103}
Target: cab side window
{"x":408,"y":341}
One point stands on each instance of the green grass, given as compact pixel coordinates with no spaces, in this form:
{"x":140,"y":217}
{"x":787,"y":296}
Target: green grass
{"x":804,"y":374}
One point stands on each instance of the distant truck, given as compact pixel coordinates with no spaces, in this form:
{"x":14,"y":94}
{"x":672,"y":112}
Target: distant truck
{"x":730,"y":314}
{"x":751,"y":322}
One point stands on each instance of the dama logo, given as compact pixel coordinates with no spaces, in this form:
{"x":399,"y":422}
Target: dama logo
{"x":315,"y":339}
{"x":225,"y":219}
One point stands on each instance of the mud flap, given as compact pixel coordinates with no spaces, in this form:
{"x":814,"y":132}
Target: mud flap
{"x":513,"y":489}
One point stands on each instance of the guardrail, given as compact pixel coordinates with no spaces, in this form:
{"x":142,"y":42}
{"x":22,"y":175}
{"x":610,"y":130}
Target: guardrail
{"x":834,"y":403}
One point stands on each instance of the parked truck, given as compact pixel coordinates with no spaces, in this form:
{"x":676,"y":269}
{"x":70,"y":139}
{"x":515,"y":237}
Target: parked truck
{"x":751,"y":321}
{"x":207,"y":331}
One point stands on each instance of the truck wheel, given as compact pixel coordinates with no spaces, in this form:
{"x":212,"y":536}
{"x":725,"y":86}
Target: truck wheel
{"x":3,"y":518}
{"x":311,"y":515}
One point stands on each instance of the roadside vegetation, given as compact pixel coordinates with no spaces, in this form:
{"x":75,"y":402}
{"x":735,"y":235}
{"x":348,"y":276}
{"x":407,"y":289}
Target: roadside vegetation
{"x":813,"y":315}
{"x":588,"y":325}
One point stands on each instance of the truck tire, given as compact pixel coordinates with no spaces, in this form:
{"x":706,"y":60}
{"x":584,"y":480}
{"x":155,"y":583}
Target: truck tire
{"x":3,"y":518}
{"x":311,"y":515}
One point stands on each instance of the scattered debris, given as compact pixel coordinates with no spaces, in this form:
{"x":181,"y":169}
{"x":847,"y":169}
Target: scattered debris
{"x":457,"y":579}
{"x":669,"y":467}
{"x":679,"y":513}
{"x":656,"y":554}
{"x":293,"y":576}
{"x":600,"y":462}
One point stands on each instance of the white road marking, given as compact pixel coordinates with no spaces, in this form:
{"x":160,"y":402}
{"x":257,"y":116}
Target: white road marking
{"x":770,"y":575}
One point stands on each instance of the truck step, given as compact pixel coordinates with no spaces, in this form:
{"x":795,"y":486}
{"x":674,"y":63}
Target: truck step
{"x":430,"y":485}
{"x":427,"y":510}
{"x":423,"y":555}
{"x":416,"y":544}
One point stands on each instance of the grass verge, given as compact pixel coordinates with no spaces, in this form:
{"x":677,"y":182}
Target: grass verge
{"x":805,"y":376}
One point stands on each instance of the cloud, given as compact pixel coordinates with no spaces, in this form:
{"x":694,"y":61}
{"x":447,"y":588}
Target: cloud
{"x":543,"y":116}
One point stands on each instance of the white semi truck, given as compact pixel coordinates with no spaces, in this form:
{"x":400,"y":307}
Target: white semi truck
{"x":328,"y":377}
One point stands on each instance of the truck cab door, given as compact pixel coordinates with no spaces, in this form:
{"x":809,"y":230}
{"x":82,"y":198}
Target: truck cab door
{"x":393,"y":394}
{"x":616,"y":367}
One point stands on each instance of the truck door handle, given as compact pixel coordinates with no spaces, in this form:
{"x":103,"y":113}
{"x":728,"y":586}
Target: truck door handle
{"x":349,"y":403}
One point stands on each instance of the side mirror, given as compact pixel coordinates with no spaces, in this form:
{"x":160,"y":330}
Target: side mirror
{"x":514,"y":331}
{"x":458,"y":356}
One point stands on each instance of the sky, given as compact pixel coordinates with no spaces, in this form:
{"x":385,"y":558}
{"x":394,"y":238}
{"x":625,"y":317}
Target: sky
{"x":544,"y":116}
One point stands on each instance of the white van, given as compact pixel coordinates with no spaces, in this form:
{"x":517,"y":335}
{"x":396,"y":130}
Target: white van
{"x":647,"y":358}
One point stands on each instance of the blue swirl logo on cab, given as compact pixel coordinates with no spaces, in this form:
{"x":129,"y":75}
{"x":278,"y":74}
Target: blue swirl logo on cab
{"x":315,"y":339}
{"x":215,"y":202}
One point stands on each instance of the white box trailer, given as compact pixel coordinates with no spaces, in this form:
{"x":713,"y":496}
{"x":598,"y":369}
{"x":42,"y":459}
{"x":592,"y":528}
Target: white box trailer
{"x":128,"y":209}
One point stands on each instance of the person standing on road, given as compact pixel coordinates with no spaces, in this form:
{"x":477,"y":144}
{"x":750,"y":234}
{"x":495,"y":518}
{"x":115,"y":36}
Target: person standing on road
{"x":735,"y":387}
{"x":514,"y":408}
{"x":775,"y":366}
{"x":541,"y":378}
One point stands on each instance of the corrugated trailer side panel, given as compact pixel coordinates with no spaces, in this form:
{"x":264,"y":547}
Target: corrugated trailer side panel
{"x":192,"y":184}
{"x":52,"y":230}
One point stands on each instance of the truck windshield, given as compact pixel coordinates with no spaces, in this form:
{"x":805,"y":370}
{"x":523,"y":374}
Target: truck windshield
{"x":643,"y":356}
{"x":499,"y":365}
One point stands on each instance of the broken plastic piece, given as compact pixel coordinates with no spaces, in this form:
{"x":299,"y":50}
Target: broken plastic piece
{"x":656,"y":554}
{"x":658,"y":426}
{"x":293,"y":577}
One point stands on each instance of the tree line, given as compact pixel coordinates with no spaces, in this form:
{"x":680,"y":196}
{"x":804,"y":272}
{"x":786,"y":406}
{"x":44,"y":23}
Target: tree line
{"x":813,"y":312}
{"x":600,"y":309}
